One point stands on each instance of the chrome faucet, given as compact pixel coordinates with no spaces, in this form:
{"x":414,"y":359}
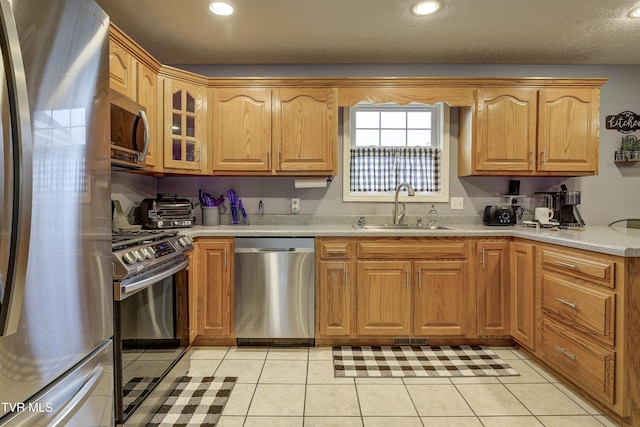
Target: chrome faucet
{"x":399,"y":217}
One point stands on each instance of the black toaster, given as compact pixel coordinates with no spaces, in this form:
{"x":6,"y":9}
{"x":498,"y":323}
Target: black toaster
{"x":499,"y":215}
{"x":165,"y":211}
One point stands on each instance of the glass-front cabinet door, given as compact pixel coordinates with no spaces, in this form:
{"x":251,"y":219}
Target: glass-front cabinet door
{"x":184,"y":134}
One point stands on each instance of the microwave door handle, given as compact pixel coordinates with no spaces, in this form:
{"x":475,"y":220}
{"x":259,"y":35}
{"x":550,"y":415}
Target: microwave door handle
{"x":142,"y":115}
{"x":12,"y":292}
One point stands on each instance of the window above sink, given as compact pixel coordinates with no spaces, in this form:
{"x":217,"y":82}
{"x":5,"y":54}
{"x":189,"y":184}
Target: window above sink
{"x":387,"y":144}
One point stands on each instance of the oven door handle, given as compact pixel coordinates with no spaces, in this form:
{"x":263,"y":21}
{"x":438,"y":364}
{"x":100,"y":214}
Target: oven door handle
{"x":129,"y":289}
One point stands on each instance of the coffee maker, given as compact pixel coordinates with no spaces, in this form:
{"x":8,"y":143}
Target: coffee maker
{"x":564,"y":204}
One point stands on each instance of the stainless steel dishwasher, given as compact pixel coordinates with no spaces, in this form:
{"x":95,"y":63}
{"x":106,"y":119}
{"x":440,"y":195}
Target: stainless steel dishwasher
{"x":274,"y":289}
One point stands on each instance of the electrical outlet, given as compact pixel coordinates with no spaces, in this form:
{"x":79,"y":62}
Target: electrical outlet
{"x":295,"y":205}
{"x":457,"y":203}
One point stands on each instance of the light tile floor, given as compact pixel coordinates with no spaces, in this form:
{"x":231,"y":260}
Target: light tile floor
{"x":296,"y":387}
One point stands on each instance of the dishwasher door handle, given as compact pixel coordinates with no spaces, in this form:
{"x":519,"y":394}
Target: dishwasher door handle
{"x":267,"y":250}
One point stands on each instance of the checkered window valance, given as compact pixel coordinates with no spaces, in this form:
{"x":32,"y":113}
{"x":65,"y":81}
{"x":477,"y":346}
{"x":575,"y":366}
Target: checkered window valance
{"x":384,"y":168}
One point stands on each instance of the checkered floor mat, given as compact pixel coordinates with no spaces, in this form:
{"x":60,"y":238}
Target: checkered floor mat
{"x":195,"y":401}
{"x":136,"y":390}
{"x":424,"y":361}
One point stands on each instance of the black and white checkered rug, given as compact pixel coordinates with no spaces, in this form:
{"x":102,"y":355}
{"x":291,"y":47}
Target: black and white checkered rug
{"x":424,"y":361}
{"x":137,"y":390}
{"x":195,"y":401}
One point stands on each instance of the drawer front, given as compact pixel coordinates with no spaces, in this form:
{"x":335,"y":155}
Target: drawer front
{"x":586,"y":363}
{"x":589,"y":310}
{"x":413,"y":248}
{"x":334,"y":249}
{"x":597,"y":270}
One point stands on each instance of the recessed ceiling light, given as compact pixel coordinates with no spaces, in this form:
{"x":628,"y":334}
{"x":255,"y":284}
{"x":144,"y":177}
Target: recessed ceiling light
{"x":425,"y":7}
{"x":221,"y":8}
{"x":635,"y":13}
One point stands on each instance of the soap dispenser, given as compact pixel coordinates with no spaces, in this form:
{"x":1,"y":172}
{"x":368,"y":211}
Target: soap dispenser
{"x":432,"y":218}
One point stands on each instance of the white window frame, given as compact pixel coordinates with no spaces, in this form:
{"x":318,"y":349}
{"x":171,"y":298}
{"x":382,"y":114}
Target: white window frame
{"x":440,"y":196}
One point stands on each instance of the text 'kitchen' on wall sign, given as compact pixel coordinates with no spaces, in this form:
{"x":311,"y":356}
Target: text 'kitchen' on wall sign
{"x":625,"y":122}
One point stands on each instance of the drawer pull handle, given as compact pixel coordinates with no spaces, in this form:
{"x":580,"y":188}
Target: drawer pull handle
{"x":566,"y":353}
{"x":567,"y":303}
{"x":406,"y":272}
{"x":346,"y":277}
{"x":419,"y":278}
{"x":566,"y":264}
{"x":335,"y":251}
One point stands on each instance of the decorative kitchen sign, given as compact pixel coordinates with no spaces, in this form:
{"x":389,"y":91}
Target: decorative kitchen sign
{"x":625,"y":122}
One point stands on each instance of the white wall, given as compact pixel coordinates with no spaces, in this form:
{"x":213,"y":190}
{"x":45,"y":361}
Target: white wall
{"x":611,"y":195}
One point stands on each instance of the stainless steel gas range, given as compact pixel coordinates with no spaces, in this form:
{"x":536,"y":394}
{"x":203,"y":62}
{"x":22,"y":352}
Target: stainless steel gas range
{"x":151,"y":322}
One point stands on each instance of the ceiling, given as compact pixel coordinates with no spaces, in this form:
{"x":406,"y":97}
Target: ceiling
{"x":383,"y":31}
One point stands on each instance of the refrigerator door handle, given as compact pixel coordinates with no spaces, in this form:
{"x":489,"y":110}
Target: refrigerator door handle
{"x":79,"y":396}
{"x":21,"y":139}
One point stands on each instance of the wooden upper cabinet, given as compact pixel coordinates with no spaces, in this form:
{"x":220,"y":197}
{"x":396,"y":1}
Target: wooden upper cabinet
{"x":568,"y":130}
{"x":121,"y":69}
{"x":147,"y":96}
{"x":305,"y":130}
{"x":133,"y":73}
{"x":184,"y":125}
{"x":528,"y":131}
{"x":241,"y":129}
{"x":288,"y":131}
{"x":506,"y":129}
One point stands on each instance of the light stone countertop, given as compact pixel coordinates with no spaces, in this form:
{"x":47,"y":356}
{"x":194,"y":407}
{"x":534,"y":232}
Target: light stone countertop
{"x":608,"y":240}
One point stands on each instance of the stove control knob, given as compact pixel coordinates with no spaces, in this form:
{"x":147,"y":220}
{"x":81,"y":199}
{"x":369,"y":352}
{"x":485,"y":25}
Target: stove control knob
{"x":148,"y":252}
{"x":138,"y":254}
{"x":129,"y":258}
{"x":185,"y":241}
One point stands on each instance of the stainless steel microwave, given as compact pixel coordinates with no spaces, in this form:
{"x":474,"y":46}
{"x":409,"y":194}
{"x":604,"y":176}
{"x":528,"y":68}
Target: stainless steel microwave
{"x":129,"y":132}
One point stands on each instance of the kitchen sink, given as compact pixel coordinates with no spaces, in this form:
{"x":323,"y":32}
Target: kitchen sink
{"x":401,"y":227}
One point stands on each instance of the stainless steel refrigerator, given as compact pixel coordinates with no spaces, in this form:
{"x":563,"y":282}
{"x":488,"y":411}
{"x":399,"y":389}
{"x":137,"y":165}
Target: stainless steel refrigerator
{"x":56,"y":296}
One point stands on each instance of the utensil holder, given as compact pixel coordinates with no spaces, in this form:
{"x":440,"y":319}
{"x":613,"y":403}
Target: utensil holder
{"x":210,"y":215}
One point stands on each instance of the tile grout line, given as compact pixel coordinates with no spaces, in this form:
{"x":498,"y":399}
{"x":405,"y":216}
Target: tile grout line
{"x":306,"y":392}
{"x":456,"y":387}
{"x":555,"y":383}
{"x":255,"y":389}
{"x":412,"y":402}
{"x":355,"y":386}
{"x":465,"y":401}
{"x":529,"y":363}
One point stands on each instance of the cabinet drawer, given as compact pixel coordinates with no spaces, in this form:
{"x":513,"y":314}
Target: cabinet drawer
{"x":584,"y":362}
{"x":336,"y":249}
{"x":597,"y":270}
{"x":587,"y":309}
{"x":414,"y":248}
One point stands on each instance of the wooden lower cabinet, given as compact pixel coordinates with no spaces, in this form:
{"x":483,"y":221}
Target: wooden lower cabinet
{"x":363,"y":294}
{"x":213,"y":278}
{"x":493,"y":303}
{"x":586,"y":363}
{"x":440,"y":298}
{"x":335,"y":298}
{"x":523,"y":293}
{"x":383,"y":298}
{"x":193,"y":299}
{"x":576,"y":312}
